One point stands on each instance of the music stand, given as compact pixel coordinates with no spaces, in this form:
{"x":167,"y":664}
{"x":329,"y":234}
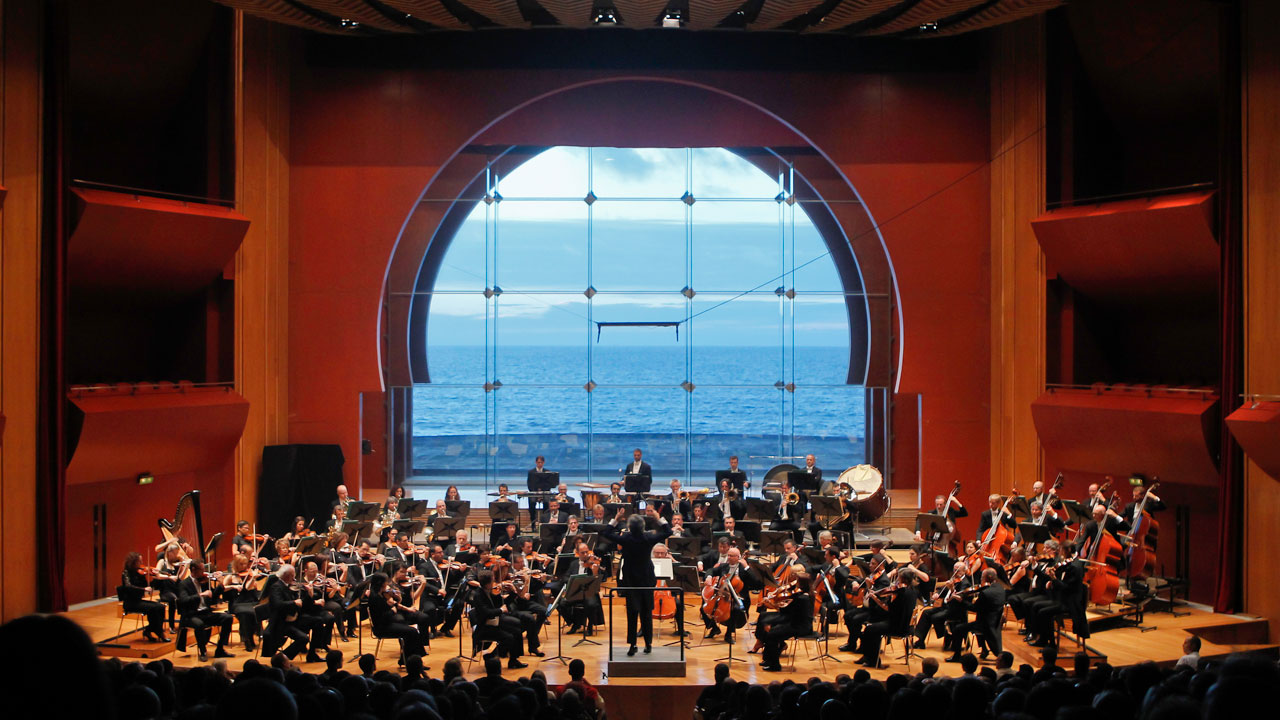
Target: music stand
{"x":580,"y":588}
{"x":405,"y":528}
{"x":689,"y":547}
{"x":361,"y":511}
{"x":561,"y":567}
{"x":825,"y":505}
{"x":841,"y":539}
{"x":1020,"y":507}
{"x":571,"y":508}
{"x":503,"y":511}
{"x":1077,"y":512}
{"x":771,"y":541}
{"x":738,"y":478}
{"x":544,"y":481}
{"x":408,"y":508}
{"x":442,"y":527}
{"x":357,"y":530}
{"x":611,"y":509}
{"x":931,"y":526}
{"x":212,"y":547}
{"x":460,"y":508}
{"x":637,"y":483}
{"x":802,"y":481}
{"x":700,"y":529}
{"x":813,"y":554}
{"x":750,"y":530}
{"x":1033,"y":534}
{"x":761,"y":509}
{"x":550,"y":534}
{"x":312,"y":544}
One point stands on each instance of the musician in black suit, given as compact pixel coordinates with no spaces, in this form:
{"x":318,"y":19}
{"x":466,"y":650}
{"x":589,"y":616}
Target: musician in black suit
{"x":1108,"y":519}
{"x":286,"y":608}
{"x":638,"y":467}
{"x":1063,"y":581}
{"x":1040,"y":515}
{"x":996,"y":505}
{"x":535,"y":482}
{"x":635,"y":545}
{"x":1152,"y":505}
{"x":589,"y":612}
{"x":792,"y":620}
{"x":988,"y":609}
{"x":196,"y":595}
{"x":789,"y":511}
{"x":553,"y":513}
{"x":727,"y":504}
{"x":715,"y":556}
{"x":734,"y":565}
{"x":673,"y":504}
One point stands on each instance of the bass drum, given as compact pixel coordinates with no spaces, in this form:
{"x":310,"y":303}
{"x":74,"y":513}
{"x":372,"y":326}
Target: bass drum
{"x":870,"y":498}
{"x":778,"y":473}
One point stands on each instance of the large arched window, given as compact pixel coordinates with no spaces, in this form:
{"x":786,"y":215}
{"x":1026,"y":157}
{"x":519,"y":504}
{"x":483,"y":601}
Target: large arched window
{"x":604,"y":299}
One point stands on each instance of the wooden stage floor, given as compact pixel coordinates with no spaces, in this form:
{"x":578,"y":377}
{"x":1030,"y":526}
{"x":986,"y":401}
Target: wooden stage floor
{"x":1161,"y":642}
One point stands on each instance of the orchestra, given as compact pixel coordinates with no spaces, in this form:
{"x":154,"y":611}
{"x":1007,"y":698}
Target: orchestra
{"x":416,"y":586}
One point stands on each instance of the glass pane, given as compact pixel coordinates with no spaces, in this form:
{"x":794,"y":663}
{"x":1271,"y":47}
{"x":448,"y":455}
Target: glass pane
{"x":541,"y":339}
{"x":639,"y":172}
{"x":540,"y":421}
{"x":737,"y":246}
{"x":830,"y":423}
{"x":638,"y":246}
{"x":651,"y":419}
{"x":548,"y":252}
{"x":450,"y":441}
{"x":734,"y":421}
{"x":638,"y":356}
{"x":456,"y":329}
{"x":719,"y":173}
{"x":466,"y":258}
{"x":737,"y":339}
{"x":814,"y":268}
{"x":821,"y":339}
{"x":560,"y":172}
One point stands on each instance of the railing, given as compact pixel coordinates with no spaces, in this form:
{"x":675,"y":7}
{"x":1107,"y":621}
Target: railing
{"x":678,"y":596}
{"x":147,"y":388}
{"x":1148,"y":390}
{"x":143,"y":192}
{"x":1256,"y":398}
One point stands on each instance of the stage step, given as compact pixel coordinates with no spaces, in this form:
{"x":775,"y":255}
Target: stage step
{"x":662,"y":662}
{"x":1250,"y":632}
{"x":132,"y":645}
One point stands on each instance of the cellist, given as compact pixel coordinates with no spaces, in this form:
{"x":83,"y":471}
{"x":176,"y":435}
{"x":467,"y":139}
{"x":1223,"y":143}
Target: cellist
{"x":734,"y":566}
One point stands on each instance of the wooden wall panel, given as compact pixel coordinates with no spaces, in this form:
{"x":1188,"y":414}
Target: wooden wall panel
{"x":262,"y":264}
{"x":20,"y":229}
{"x":1017,"y":264}
{"x":1261,"y":183}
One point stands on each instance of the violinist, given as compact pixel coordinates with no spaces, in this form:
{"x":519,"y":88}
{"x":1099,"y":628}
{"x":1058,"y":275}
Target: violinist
{"x":462,"y":546}
{"x":794,"y":618}
{"x":523,"y":593}
{"x":877,"y":555}
{"x":995,"y":507}
{"x":336,"y":592}
{"x":876,"y":578}
{"x":734,"y":566}
{"x":169,"y":570}
{"x":896,"y":605}
{"x":134,"y":581}
{"x":387,"y":616}
{"x":1063,"y":581}
{"x":298,"y":531}
{"x":506,"y":542}
{"x":492,"y":622}
{"x":947,"y":610}
{"x":285,"y":554}
{"x":243,"y":596}
{"x":196,"y":597}
{"x":988,"y":610}
{"x":428,"y":568}
{"x":830,"y":580}
{"x":240,"y":541}
{"x":285,"y":602}
{"x":1020,"y":574}
{"x":590,"y":612}
{"x":316,"y":617}
{"x":455,"y":577}
{"x":395,"y":547}
{"x":636,"y":546}
{"x":412,"y":589}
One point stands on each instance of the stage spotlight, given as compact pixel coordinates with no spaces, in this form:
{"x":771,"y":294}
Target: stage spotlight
{"x":605,"y":16}
{"x":349,"y":23}
{"x":146,"y":478}
{"x":671,"y":19}
{"x":929,"y":27}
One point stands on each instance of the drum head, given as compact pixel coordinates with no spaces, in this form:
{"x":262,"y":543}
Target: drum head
{"x":864,"y":479}
{"x":778,"y":473}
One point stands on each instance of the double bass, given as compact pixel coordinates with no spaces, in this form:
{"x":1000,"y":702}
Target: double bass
{"x":1141,"y":557}
{"x":997,"y":541}
{"x":1102,"y":554}
{"x":956,"y":547}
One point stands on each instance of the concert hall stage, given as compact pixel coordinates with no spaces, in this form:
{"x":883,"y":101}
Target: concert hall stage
{"x":631,"y":698}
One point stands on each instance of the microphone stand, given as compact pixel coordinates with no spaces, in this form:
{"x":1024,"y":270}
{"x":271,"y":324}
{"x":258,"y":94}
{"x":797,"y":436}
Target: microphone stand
{"x":730,"y":658}
{"x":559,"y":656}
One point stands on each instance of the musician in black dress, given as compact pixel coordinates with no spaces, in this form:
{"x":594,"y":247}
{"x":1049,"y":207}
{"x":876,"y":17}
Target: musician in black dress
{"x":196,"y":596}
{"x":635,"y":545}
{"x":133,"y":591}
{"x":896,"y":621}
{"x":492,"y":623}
{"x":385,"y":614}
{"x":794,"y":619}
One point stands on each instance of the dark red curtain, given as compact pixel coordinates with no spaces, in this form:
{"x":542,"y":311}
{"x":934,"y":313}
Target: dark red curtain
{"x":1230,"y":287}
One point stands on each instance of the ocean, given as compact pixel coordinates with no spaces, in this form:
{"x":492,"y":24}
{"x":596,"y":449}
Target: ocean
{"x":541,"y":408}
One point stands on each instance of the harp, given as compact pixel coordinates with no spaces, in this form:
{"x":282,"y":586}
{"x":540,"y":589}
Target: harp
{"x":189,"y":502}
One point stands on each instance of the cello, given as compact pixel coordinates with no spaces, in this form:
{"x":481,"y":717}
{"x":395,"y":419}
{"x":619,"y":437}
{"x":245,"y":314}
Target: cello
{"x":718,"y":596}
{"x":1102,"y":555}
{"x":1141,"y":557}
{"x":664,"y":603}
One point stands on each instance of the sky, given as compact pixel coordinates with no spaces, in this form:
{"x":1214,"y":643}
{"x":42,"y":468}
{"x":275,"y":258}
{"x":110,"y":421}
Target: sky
{"x":641,"y":247}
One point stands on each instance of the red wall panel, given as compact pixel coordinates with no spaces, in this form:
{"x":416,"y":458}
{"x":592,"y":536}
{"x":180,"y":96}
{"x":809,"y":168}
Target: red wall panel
{"x":1256,"y":426}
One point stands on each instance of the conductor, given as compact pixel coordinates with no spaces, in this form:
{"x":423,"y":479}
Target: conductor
{"x":636,"y":547}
